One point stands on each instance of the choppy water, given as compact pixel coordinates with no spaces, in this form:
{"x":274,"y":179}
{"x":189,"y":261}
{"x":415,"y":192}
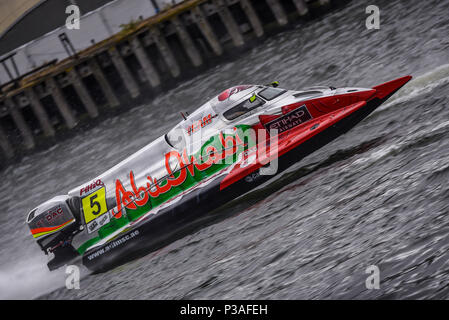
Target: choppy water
{"x":377,"y":196}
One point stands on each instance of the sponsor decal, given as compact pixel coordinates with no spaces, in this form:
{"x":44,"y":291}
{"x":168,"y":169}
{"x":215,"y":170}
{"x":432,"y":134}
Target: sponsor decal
{"x":289,"y":120}
{"x":139,"y":196}
{"x":113,"y":244}
{"x":94,"y":205}
{"x":51,"y":216}
{"x":228,"y":93}
{"x":91,"y":226}
{"x":98,"y":223}
{"x":196,"y":126}
{"x":91,"y":187}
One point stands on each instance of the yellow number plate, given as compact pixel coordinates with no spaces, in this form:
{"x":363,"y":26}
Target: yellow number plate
{"x":94,"y":205}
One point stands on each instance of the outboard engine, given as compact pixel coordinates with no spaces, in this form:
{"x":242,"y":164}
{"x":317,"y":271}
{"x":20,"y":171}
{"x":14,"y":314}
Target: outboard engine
{"x":53,"y":224}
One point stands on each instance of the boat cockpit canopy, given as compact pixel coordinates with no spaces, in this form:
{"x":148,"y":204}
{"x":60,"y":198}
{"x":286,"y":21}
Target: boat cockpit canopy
{"x":231,"y":104}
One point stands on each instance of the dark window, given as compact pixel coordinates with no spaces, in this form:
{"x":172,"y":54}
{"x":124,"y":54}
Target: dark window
{"x":242,"y":108}
{"x":31,"y":215}
{"x":271,"y":93}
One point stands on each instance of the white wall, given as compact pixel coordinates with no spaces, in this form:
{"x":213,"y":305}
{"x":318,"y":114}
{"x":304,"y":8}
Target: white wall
{"x":96,"y":25}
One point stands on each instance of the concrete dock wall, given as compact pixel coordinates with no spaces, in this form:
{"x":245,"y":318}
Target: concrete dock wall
{"x":135,"y":64}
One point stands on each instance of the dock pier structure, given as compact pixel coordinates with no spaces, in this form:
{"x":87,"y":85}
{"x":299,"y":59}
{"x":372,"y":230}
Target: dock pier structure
{"x":155,"y":51}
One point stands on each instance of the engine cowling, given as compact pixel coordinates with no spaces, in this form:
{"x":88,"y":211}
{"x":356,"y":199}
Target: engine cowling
{"x":53,"y":224}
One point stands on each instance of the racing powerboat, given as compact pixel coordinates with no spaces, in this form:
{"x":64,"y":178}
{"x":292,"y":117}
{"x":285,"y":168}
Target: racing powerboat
{"x":233,"y":143}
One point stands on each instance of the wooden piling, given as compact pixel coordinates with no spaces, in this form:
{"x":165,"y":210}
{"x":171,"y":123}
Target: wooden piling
{"x":301,"y":6}
{"x":207,"y":30}
{"x":61,"y":103}
{"x":229,"y":22}
{"x":187,"y":42}
{"x":25,"y":131}
{"x":104,"y":84}
{"x":165,"y":51}
{"x":124,"y":72}
{"x":278,"y":12}
{"x":83,"y":94}
{"x":40,"y":113}
{"x":148,"y":68}
{"x":252,"y":17}
{"x":8,"y":151}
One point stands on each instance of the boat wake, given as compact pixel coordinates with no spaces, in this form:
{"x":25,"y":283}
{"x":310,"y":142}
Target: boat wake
{"x":31,"y":278}
{"x":418,"y":86}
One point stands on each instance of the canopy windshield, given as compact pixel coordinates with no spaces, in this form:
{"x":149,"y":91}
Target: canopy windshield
{"x":232,"y":103}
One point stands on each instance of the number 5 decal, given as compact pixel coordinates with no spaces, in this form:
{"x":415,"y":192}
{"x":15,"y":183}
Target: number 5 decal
{"x":94,"y":205}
